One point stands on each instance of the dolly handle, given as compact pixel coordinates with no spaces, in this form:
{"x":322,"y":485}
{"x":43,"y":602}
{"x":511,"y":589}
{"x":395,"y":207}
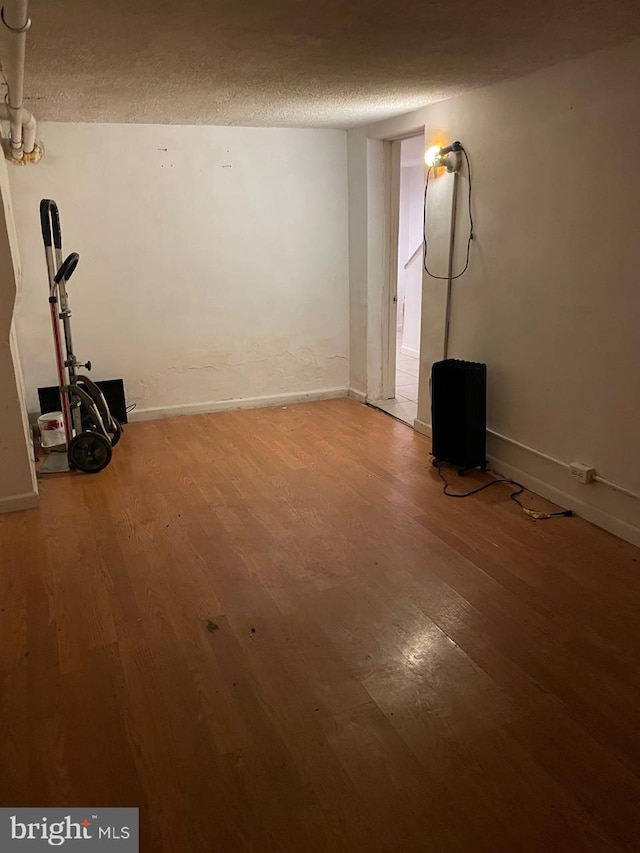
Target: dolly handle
{"x":50,"y":223}
{"x":67,"y":267}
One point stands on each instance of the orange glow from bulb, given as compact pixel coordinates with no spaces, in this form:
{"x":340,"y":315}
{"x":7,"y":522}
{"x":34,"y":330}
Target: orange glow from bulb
{"x":432,"y":155}
{"x":437,"y":141}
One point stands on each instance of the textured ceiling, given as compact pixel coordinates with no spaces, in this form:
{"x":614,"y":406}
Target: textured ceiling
{"x":330,"y":63}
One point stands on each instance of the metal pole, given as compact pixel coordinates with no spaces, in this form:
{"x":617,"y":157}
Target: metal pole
{"x":452,"y":239}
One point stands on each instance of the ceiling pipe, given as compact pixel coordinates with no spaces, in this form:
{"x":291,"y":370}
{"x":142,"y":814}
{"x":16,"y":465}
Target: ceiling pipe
{"x":22,"y":141}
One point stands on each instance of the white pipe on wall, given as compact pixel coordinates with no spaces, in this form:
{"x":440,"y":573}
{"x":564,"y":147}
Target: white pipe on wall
{"x":15,"y":16}
{"x":29,"y":127}
{"x":597,"y":478}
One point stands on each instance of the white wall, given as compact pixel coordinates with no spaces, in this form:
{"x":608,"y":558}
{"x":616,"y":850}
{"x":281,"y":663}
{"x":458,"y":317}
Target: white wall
{"x":551,"y":300}
{"x":213,"y":261}
{"x":18,"y":486}
{"x":359,"y":279}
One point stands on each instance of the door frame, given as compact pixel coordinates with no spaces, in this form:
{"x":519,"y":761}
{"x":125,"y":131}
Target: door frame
{"x":389,"y":327}
{"x":392,"y":151}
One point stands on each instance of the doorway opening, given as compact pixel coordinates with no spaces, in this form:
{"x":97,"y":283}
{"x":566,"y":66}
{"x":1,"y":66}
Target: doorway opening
{"x":405,"y":291}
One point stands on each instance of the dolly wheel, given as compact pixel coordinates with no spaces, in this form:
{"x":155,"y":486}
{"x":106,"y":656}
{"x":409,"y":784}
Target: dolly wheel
{"x":114,"y":429}
{"x":89,"y":452}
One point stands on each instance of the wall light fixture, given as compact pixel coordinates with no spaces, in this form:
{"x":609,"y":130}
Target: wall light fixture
{"x":448,"y":158}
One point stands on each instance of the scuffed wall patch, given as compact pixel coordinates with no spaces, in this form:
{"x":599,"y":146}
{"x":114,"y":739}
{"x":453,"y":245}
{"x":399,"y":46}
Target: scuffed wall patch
{"x":220,"y":375}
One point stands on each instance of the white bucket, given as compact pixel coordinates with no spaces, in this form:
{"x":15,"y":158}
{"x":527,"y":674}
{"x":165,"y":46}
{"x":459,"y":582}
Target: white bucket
{"x":51,"y":429}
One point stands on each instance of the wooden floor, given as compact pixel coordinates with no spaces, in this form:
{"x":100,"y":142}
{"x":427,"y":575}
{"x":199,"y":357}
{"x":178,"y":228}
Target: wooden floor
{"x":271,"y":632}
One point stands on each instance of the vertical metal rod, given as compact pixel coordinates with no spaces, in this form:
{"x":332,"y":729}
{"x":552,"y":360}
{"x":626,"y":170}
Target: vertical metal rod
{"x":452,"y":240}
{"x":62,"y":378}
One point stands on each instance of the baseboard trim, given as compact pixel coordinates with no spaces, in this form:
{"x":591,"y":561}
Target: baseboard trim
{"x":414,"y":353}
{"x":358,"y":396}
{"x":596,"y":515}
{"x":422,"y":427}
{"x":240,"y":403}
{"x":16,"y":503}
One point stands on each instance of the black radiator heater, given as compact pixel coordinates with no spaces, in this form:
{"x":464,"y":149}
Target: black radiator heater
{"x":459,"y":413}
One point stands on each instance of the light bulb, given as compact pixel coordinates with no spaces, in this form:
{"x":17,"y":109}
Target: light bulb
{"x":432,"y":155}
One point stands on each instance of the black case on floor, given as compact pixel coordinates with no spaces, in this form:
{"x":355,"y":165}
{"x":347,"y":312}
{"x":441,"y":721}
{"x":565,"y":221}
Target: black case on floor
{"x":113,"y":390}
{"x":459,"y":413}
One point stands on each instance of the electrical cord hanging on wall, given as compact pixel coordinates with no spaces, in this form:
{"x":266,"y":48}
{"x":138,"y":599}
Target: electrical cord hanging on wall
{"x":424,"y":226}
{"x":533,"y":514}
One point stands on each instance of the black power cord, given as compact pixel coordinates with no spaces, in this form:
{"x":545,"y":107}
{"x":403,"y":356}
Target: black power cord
{"x":530,"y":513}
{"x":458,"y":147}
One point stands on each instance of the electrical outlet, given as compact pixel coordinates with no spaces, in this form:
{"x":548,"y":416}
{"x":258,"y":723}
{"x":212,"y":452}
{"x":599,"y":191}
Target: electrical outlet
{"x":581,"y":473}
